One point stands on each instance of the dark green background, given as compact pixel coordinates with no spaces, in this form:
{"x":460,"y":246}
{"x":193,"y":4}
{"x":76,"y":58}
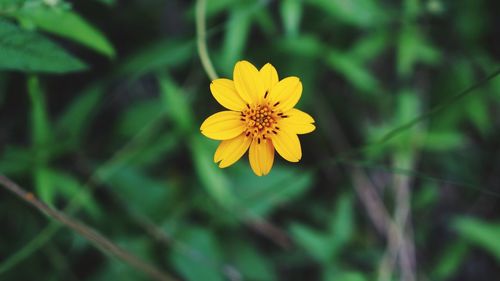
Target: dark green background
{"x":101,"y":102}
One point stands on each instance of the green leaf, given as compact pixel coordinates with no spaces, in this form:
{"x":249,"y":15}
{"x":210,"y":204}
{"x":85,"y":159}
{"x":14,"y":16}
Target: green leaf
{"x":353,"y":71}
{"x":212,"y":177}
{"x":449,"y":262}
{"x":477,"y":110}
{"x":315,"y":243}
{"x":252,"y":263}
{"x":443,"y":140}
{"x":425,"y":197}
{"x":291,"y":14}
{"x":69,"y":25}
{"x":76,"y":119}
{"x":370,"y":46}
{"x":69,"y":188}
{"x":204,"y":261}
{"x":158,"y":55}
{"x":141,"y":113}
{"x":31,"y":52}
{"x":259,"y":196}
{"x":412,"y":49}
{"x":16,"y":160}
{"x":361,"y":13}
{"x":40,"y":124}
{"x":237,"y":30}
{"x":342,"y":223}
{"x":142,"y":192}
{"x":479,"y":233}
{"x":175,"y":101}
{"x":333,"y":274}
{"x":303,"y":45}
{"x":41,"y":139}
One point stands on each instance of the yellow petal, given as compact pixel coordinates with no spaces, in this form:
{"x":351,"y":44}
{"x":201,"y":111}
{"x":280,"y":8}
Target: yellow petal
{"x":225,"y":93}
{"x":230,"y":151}
{"x":287,"y":144}
{"x":261,"y":157}
{"x":248,"y":82}
{"x":297,"y":121}
{"x":223,"y":125}
{"x":285,"y":95}
{"x":269,"y":76}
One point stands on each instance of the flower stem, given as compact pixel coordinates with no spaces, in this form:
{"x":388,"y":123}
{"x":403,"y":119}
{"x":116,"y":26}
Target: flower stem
{"x":201,"y":39}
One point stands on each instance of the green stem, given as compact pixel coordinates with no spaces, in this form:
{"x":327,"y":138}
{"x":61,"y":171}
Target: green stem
{"x":201,"y":39}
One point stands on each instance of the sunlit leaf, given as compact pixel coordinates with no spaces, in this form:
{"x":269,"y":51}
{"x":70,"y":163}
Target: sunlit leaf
{"x":69,"y":25}
{"x":31,"y":52}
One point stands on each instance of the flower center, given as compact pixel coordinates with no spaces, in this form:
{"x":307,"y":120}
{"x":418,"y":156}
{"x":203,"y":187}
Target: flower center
{"x":261,"y":121}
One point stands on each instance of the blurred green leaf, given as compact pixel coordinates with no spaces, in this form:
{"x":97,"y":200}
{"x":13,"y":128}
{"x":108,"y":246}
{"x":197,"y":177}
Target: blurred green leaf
{"x":477,"y":110}
{"x":41,"y":136}
{"x":326,"y":246}
{"x":291,"y":14}
{"x":342,"y":224}
{"x":211,"y":176}
{"x":412,"y":49}
{"x":215,"y":7}
{"x":69,"y":188}
{"x":113,"y":269}
{"x":41,"y":132}
{"x":425,"y":197}
{"x":253,"y":264}
{"x":479,"y":233}
{"x":303,"y":45}
{"x":143,"y":112}
{"x":75,"y":120}
{"x":315,"y":243}
{"x":16,"y":160}
{"x":443,"y":141}
{"x":411,"y":9}
{"x":236,"y":35}
{"x":333,"y":274}
{"x":141,"y":191}
{"x":370,"y":46}
{"x":175,"y":102}
{"x":354,"y":72}
{"x":204,"y":262}
{"x":361,"y":13}
{"x":156,"y":56}
{"x":67,"y":24}
{"x":259,"y":196}
{"x":31,"y":52}
{"x":449,"y":262}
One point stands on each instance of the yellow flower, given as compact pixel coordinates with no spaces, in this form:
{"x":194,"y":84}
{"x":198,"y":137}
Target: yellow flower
{"x":260,"y":117}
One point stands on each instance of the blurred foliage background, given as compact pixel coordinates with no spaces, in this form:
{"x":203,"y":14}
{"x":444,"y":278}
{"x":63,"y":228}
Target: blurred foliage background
{"x":100,"y":107}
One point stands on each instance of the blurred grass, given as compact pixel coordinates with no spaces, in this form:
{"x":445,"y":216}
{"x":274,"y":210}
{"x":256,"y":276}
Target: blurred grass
{"x":101,"y":101}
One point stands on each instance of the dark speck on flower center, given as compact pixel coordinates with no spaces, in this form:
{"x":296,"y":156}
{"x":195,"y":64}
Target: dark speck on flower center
{"x":261,"y":121}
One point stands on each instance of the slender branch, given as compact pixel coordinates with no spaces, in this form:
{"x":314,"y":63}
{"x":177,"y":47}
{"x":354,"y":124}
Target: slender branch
{"x":374,"y":206}
{"x":74,"y":203}
{"x":97,"y":239}
{"x":201,"y":39}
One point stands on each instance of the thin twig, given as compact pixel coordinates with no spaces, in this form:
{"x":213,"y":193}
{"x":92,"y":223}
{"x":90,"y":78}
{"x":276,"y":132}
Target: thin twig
{"x":74,"y":203}
{"x":97,"y":239}
{"x":402,"y":215}
{"x":375,"y":208}
{"x":201,"y":39}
